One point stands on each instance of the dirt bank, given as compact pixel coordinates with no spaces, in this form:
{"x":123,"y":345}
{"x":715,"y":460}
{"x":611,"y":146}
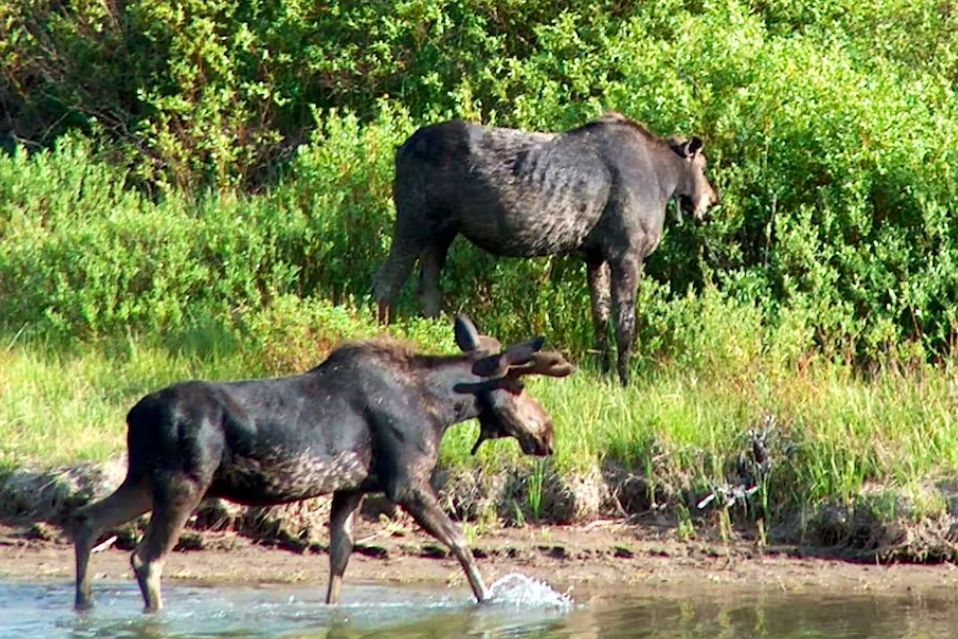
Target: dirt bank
{"x":602,"y":554}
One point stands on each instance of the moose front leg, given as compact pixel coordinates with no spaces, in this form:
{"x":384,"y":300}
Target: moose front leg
{"x":340,"y":539}
{"x":421,"y":503}
{"x":625,"y":284}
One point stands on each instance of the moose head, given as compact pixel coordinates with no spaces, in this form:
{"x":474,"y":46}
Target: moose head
{"x":504,"y":408}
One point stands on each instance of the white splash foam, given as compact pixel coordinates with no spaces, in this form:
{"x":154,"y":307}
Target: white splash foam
{"x":518,"y":590}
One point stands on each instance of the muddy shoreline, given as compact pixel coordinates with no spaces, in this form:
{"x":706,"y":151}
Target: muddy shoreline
{"x":602,"y":555}
{"x":288,"y":544}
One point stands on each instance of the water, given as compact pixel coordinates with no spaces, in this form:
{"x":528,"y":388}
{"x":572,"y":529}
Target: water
{"x":520,"y":608}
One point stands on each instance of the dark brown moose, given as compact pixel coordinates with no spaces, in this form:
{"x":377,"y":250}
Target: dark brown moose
{"x":601,"y":189}
{"x":368,"y":419}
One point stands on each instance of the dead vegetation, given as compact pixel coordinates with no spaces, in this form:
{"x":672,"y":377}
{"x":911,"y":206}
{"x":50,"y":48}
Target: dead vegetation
{"x":881,"y":524}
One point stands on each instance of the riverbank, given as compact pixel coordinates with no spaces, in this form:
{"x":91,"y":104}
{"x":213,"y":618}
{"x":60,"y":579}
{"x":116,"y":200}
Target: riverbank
{"x":808,"y":453}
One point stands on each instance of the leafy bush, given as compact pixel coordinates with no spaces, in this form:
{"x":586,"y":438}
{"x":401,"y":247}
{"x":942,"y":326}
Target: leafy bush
{"x":828,"y":123}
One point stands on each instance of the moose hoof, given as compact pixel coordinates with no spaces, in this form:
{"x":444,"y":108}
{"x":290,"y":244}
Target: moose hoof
{"x":82,"y":605}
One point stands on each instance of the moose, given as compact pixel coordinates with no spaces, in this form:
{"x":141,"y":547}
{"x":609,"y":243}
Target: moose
{"x":370,"y":418}
{"x":600,"y":189}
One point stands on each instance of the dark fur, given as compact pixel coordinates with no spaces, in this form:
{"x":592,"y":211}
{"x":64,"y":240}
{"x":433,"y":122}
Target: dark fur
{"x":368,"y":419}
{"x":600,"y":189}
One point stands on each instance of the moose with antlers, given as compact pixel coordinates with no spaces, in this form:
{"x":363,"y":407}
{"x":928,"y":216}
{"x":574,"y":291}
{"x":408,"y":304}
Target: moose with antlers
{"x":368,"y":419}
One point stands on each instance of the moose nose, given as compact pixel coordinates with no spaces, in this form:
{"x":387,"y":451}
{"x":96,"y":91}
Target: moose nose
{"x":704,"y":214}
{"x":714,"y":199}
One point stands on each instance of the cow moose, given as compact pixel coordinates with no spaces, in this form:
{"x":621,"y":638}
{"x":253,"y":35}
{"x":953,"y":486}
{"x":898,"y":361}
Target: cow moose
{"x":370,"y":418}
{"x":600,"y":189}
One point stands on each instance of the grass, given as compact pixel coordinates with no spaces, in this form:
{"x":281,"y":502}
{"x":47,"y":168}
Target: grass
{"x":836,"y":432}
{"x":62,"y":404}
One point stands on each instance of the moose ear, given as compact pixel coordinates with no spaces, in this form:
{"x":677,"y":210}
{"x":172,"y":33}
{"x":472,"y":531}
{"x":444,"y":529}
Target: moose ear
{"x":467,"y":337}
{"x":688,"y":148}
{"x":490,"y":366}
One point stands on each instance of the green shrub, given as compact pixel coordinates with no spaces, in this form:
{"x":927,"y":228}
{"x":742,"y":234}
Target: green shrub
{"x":828,"y":123}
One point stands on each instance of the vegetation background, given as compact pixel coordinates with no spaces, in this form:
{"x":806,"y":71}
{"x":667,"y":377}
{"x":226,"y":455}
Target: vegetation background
{"x":201,"y":188}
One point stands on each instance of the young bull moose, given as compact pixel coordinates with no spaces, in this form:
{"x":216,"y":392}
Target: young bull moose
{"x":601,"y":189}
{"x":368,"y":419}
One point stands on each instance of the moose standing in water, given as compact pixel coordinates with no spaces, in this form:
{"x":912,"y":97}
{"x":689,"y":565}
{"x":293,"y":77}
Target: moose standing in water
{"x":368,"y":419}
{"x":601,"y":189}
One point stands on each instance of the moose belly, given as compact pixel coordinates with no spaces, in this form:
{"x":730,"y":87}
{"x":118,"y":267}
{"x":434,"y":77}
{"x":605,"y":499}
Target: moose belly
{"x":279,"y":478}
{"x":531,"y":222}
{"x":560,"y":230}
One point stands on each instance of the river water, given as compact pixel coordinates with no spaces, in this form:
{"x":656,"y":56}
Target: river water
{"x":521,"y":608}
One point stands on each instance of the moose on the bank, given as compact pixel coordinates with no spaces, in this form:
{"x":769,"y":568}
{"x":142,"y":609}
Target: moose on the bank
{"x":368,"y":419}
{"x":601,"y":189}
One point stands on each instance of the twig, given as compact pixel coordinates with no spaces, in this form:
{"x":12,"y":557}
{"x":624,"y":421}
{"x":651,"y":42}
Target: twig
{"x":105,"y":545}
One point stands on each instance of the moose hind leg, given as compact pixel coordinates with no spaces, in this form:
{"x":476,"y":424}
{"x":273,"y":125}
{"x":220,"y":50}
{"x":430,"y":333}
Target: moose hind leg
{"x":420,"y":502}
{"x":89,"y":522}
{"x":432,"y":262}
{"x":174,"y":501}
{"x":625,"y":283}
{"x":392,"y":274}
{"x":598,"y":277}
{"x":411,"y":235}
{"x":340,"y":540}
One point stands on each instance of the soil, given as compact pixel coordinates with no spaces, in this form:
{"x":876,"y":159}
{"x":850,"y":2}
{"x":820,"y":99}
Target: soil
{"x":600,"y":555}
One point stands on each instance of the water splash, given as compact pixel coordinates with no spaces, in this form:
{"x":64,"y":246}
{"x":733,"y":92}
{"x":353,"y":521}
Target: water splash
{"x":518,"y":590}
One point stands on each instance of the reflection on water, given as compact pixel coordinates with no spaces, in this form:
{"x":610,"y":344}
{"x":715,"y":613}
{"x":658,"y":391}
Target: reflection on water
{"x":43,"y":610}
